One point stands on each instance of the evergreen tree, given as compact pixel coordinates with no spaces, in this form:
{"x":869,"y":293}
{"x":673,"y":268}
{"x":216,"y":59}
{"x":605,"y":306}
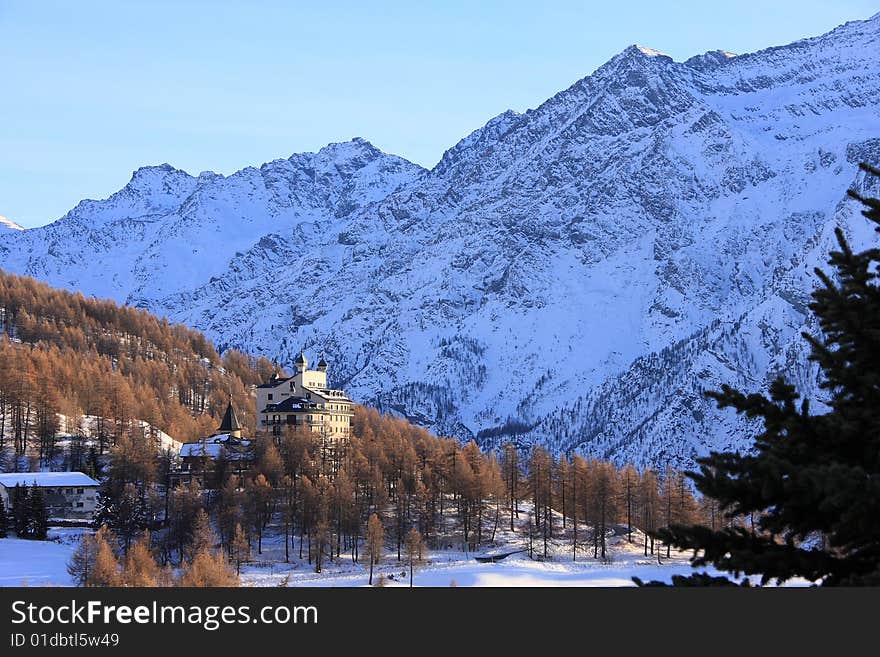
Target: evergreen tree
{"x":4,"y":520}
{"x":37,"y":517}
{"x":812,"y":481}
{"x":19,"y":503}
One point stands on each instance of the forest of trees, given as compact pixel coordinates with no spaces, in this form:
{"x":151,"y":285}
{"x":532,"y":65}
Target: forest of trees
{"x":387,"y":492}
{"x":63,"y":353}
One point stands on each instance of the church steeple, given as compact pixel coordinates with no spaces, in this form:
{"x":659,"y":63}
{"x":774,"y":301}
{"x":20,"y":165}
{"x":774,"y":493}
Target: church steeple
{"x":230,"y":423}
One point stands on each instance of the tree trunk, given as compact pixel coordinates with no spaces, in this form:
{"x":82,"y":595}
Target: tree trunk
{"x":574,"y":518}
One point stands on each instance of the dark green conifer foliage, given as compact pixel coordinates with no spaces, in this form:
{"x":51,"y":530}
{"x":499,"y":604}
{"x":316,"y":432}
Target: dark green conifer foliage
{"x":18,"y":500}
{"x":30,"y":518}
{"x":812,"y":481}
{"x":4,"y":520}
{"x":38,"y":518}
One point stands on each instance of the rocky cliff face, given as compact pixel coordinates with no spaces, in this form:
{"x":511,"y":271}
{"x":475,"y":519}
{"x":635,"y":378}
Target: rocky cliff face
{"x":574,"y":275}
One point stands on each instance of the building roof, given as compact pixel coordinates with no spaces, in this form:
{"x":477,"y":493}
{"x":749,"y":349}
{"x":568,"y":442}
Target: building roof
{"x":212,"y":446}
{"x":289,"y":405}
{"x":330,"y":394}
{"x":46,"y":479}
{"x":230,"y":420}
{"x":301,"y":359}
{"x":198,"y":449}
{"x":275,"y":382}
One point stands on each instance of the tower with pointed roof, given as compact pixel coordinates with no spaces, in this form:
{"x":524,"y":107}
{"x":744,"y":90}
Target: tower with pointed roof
{"x":230,"y":424}
{"x":197,"y":458}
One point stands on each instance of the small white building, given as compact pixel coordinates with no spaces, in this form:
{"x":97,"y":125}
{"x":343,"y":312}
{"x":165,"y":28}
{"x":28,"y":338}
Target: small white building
{"x":68,"y":495}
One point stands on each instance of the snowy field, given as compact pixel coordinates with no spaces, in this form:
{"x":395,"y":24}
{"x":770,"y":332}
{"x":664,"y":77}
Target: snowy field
{"x":44,"y":563}
{"x":38,"y":563}
{"x":453,"y":569}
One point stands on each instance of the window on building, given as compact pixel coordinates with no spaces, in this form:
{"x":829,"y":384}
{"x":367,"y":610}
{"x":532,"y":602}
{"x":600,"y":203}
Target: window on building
{"x":270,"y":396}
{"x":79,"y":491}
{"x":79,"y":505}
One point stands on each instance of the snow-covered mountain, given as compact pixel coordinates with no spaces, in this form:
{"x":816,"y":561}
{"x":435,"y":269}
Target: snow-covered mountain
{"x":8,"y":224}
{"x":576,"y":274}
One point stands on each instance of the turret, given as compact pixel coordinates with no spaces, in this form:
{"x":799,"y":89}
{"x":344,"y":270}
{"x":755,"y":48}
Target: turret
{"x":301,"y":362}
{"x":322,"y":365}
{"x":230,"y":423}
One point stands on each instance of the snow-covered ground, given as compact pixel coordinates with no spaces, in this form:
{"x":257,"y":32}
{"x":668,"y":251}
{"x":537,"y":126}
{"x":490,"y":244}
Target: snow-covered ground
{"x":38,"y":563}
{"x":86,"y":426}
{"x":44,"y":563}
{"x":452,"y":568}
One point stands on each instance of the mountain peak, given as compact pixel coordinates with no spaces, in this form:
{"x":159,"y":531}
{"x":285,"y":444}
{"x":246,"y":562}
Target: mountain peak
{"x":148,"y":176}
{"x":647,"y":52}
{"x":352,"y":155}
{"x":634,"y":56}
{"x":353,"y":145}
{"x":152,"y":169}
{"x":709,"y":60}
{"x":643,"y":230}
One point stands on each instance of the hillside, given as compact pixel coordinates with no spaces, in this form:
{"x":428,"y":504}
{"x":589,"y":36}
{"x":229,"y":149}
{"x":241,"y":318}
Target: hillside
{"x":63,"y":353}
{"x":575,"y":275}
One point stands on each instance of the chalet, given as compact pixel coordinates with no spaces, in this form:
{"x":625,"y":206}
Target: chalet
{"x":68,"y":495}
{"x":304,"y":400}
{"x":199,"y":457}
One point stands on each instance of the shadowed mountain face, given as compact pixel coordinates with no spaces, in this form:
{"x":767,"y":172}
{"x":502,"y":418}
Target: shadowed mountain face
{"x":574,"y":275}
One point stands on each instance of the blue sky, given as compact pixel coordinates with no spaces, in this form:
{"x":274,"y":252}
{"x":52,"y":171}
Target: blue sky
{"x":93,"y":90}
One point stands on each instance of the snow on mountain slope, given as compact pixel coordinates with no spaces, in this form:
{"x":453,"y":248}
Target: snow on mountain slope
{"x":8,"y":224}
{"x":576,"y":274}
{"x":167,"y":230}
